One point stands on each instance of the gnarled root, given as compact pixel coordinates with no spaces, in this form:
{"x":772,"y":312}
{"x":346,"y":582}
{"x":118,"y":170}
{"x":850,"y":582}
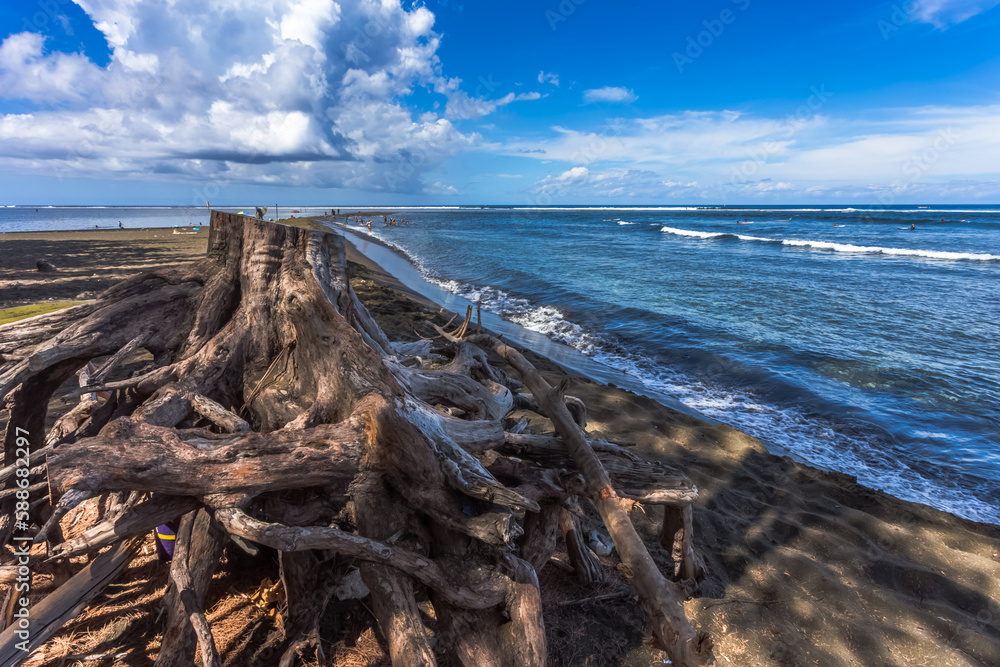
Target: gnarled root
{"x":276,"y":412}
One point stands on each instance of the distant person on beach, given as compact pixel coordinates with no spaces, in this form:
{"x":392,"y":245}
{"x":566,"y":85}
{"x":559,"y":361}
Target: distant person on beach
{"x":120,"y":226}
{"x":369,"y":226}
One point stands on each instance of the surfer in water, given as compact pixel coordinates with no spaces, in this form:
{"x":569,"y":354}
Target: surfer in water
{"x":913,"y":226}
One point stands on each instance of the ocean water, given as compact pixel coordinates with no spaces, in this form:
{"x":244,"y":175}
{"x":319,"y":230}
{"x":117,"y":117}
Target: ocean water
{"x":836,"y":335}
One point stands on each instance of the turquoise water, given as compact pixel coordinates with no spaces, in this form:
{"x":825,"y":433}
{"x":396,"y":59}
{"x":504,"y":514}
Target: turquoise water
{"x":864,"y":347}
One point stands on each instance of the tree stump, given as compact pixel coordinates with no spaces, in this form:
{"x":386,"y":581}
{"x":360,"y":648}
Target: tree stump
{"x":278,"y":407}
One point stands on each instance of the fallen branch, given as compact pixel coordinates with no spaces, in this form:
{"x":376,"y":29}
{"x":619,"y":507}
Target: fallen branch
{"x":662,"y":600}
{"x":52,"y":613}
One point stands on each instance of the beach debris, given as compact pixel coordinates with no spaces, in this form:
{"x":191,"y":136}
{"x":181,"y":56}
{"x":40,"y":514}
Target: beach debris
{"x":83,"y":296}
{"x":351,"y":587}
{"x":600,"y":543}
{"x":45,"y":266}
{"x":276,"y":411}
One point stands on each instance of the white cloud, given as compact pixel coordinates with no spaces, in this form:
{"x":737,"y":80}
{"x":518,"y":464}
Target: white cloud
{"x":463,"y":107}
{"x":609,"y":94}
{"x":611,"y":183}
{"x":307,"y":92}
{"x":945,"y":13}
{"x":26,"y":73}
{"x":439,"y":188}
{"x":550,"y":78}
{"x":919,"y":151}
{"x":309,"y":20}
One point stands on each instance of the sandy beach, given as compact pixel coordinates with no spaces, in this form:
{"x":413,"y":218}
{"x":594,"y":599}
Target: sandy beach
{"x":805,"y":567}
{"x":86,"y":262}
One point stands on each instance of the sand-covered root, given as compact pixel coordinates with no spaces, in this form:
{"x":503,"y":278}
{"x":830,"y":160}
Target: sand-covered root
{"x":275,"y":412}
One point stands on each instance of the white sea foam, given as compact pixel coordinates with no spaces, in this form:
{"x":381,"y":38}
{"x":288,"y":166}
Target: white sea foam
{"x":873,"y":209}
{"x":689,"y":232}
{"x":842,"y":247}
{"x":626,"y":223}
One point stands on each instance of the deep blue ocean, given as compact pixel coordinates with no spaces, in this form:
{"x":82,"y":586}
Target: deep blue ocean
{"x":839,"y":336}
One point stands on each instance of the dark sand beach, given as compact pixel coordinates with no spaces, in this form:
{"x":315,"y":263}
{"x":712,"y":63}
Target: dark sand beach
{"x":805,"y":567}
{"x":87,"y":261}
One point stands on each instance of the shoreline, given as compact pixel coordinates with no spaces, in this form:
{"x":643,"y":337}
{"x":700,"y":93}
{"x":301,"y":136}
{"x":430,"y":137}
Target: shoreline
{"x":958,"y":493}
{"x":568,"y":358}
{"x":804,"y":566}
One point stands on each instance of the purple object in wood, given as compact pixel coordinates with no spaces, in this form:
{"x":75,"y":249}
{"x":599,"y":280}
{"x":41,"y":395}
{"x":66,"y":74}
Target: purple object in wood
{"x":165,"y":536}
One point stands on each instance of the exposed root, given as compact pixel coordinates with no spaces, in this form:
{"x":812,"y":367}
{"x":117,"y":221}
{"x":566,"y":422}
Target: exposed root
{"x":277,"y":414}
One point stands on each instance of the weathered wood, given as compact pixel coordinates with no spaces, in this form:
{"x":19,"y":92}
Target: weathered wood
{"x":491,"y":401}
{"x":197,"y":550}
{"x":633,"y":477}
{"x":577,"y":408}
{"x":52,"y":613}
{"x":677,"y":537}
{"x":197,"y":462}
{"x":541,"y":535}
{"x":26,"y":423}
{"x":69,"y":501}
{"x":135,"y":520}
{"x":488,"y":638}
{"x":471,"y":361}
{"x":36,"y":457}
{"x":300,"y":573}
{"x":17,"y":338}
{"x":218,"y":415}
{"x":100,"y":376}
{"x":661,"y":599}
{"x":421,"y":568}
{"x":588,"y":569}
{"x":392,"y":595}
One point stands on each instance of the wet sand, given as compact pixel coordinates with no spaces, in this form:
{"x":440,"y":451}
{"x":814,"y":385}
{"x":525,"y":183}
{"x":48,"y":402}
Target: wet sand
{"x":805,"y":567}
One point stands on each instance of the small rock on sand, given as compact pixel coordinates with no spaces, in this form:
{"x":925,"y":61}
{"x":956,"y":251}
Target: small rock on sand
{"x":45,"y":265}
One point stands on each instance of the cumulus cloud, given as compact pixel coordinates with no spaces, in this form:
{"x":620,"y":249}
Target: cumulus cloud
{"x":611,"y":94}
{"x":945,"y":13}
{"x":26,"y":73}
{"x":307,"y":92}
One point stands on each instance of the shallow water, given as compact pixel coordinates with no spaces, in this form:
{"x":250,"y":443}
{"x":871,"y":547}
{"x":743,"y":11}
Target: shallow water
{"x":863,"y":347}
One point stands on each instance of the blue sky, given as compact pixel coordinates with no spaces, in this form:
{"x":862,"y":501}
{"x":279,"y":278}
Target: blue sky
{"x":531,"y":103}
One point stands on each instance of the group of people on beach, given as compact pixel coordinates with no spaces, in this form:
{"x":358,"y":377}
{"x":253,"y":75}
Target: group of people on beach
{"x":386,"y":220}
